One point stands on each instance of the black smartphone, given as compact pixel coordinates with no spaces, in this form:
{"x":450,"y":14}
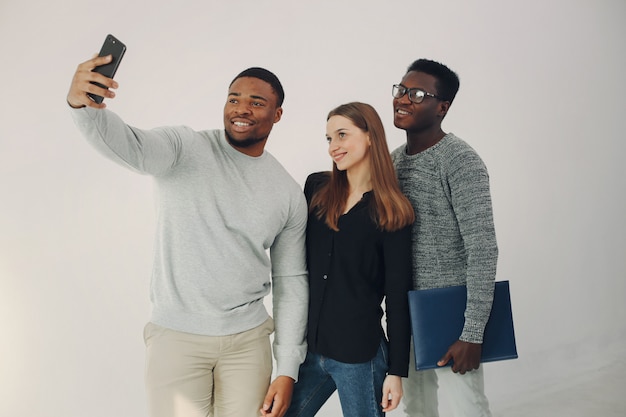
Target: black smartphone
{"x":112,"y":46}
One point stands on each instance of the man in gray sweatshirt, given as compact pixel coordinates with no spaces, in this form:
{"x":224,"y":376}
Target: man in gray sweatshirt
{"x":454,"y":241}
{"x":223,"y":202}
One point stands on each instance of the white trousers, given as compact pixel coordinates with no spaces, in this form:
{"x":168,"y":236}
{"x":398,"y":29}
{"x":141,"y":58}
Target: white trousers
{"x":466,"y":392}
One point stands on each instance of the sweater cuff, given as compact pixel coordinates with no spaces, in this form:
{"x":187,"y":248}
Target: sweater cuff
{"x":472,"y":331}
{"x":288,"y":366}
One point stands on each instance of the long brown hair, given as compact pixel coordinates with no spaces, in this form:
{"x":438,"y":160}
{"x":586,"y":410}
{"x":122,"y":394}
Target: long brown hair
{"x":391,"y":210}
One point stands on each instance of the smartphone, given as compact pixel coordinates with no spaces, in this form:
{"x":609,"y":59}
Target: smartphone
{"x":112,"y":46}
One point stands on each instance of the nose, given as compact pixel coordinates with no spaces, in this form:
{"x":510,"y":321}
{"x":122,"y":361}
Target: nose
{"x":242,"y":108}
{"x":404,"y":99}
{"x":332,"y":146}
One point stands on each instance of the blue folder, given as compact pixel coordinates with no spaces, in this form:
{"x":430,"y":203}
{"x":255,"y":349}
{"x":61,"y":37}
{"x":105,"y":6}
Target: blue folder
{"x":438,"y":316}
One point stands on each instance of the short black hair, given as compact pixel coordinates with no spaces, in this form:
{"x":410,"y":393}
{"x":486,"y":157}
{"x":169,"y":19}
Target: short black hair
{"x":268,"y":77}
{"x":447,"y":80}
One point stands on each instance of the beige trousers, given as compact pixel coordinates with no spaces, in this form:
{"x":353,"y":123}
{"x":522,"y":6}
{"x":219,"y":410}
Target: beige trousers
{"x":190,"y":375}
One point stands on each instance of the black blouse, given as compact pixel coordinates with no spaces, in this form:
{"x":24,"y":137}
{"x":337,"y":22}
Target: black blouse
{"x":350,"y":272}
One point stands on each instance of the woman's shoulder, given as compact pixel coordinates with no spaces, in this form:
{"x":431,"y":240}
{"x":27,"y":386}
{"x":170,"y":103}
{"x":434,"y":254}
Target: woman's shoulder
{"x":322,"y":176}
{"x":314,"y":181}
{"x":317,"y":179}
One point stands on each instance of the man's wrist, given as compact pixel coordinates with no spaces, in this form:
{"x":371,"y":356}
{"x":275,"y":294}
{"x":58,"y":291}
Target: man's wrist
{"x":286,"y":378}
{"x":73,"y":106}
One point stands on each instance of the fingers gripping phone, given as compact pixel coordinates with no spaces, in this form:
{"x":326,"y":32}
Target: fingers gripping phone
{"x":112,"y":46}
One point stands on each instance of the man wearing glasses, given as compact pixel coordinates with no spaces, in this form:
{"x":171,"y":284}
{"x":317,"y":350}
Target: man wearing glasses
{"x":454,"y":237}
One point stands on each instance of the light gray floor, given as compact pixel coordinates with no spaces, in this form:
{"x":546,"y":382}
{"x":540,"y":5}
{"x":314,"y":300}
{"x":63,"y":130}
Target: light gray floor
{"x":596,"y":393}
{"x":599,"y":393}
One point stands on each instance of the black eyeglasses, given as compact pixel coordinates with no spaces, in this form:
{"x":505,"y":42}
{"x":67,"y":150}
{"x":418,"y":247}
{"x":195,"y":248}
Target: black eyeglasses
{"x":416,"y":95}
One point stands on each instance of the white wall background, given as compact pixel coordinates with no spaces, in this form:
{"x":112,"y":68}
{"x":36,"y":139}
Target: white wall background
{"x":541,"y":99}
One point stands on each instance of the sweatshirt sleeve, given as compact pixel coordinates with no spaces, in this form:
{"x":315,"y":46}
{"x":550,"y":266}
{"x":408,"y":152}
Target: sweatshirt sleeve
{"x":290,"y":290}
{"x":471,"y":200}
{"x":150,"y":152}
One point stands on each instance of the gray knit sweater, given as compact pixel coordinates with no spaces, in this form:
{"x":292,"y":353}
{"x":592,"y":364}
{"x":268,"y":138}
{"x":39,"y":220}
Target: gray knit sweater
{"x":219,"y":211}
{"x":453,"y":236}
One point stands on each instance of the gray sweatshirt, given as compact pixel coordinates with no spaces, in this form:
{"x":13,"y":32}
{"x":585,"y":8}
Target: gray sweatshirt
{"x":454,"y":240}
{"x":219,"y":212}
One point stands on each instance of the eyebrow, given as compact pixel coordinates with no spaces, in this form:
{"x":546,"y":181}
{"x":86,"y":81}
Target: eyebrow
{"x":412,"y":88}
{"x":341,"y":129}
{"x":252,"y":96}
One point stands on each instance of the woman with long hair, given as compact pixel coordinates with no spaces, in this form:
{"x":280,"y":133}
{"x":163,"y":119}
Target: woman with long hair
{"x":358,"y":254}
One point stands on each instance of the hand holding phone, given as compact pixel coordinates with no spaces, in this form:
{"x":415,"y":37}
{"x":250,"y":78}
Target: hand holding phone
{"x":114,"y":47}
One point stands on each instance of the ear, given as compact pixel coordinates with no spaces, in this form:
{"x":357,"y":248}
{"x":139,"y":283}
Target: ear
{"x":443,"y":108}
{"x":278,"y":115}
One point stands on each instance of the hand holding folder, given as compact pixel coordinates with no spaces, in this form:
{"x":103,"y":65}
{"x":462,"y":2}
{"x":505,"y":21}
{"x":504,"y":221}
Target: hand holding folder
{"x":438,"y":316}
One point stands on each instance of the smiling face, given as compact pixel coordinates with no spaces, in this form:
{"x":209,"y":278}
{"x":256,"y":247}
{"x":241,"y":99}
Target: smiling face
{"x":249,"y":114}
{"x":348,"y":145}
{"x":419,"y":117}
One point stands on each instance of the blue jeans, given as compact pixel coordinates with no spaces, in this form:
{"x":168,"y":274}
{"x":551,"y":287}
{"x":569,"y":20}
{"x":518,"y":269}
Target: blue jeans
{"x":359,"y":385}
